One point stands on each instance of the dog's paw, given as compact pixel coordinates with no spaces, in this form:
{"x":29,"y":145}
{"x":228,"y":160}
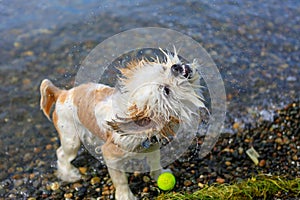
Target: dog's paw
{"x":124,"y":193}
{"x":71,"y":176}
{"x":68,"y":174}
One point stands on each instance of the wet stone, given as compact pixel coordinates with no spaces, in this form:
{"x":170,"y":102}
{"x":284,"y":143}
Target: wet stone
{"x":18,"y":183}
{"x":295,"y":157}
{"x":187,"y":183}
{"x":82,"y":170}
{"x":240,"y":150}
{"x":227,"y":163}
{"x":81,"y":192}
{"x":95,"y":180}
{"x":27,"y":157}
{"x":220,"y":180}
{"x":279,"y":140}
{"x":36,"y":183}
{"x":55,"y":186}
{"x":145,"y":189}
{"x":106,"y":192}
{"x":146,"y":179}
{"x":262,"y":163}
{"x":201,"y":185}
{"x":68,"y":195}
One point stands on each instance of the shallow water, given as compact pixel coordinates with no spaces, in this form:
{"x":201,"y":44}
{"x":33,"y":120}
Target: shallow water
{"x":256,"y":46}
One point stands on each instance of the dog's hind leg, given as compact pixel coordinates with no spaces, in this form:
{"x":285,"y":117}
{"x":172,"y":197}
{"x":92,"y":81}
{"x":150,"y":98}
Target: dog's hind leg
{"x":113,"y":155}
{"x":70,"y":144}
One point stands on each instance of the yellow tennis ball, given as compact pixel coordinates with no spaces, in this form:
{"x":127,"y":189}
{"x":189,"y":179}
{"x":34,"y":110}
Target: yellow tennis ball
{"x":166,"y":181}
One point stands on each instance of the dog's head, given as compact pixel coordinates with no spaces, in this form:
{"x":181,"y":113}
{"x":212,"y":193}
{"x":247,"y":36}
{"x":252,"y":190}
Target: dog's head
{"x":156,"y":94}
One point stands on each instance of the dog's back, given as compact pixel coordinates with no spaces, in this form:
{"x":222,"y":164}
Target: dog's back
{"x":79,"y":111}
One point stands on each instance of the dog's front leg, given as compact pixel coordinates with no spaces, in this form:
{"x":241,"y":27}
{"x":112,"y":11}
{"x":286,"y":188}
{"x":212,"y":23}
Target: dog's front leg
{"x":120,"y":182}
{"x":153,"y":160}
{"x":112,"y":154}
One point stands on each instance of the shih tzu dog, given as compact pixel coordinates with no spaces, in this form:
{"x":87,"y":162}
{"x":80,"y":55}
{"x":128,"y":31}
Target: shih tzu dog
{"x":152,"y":98}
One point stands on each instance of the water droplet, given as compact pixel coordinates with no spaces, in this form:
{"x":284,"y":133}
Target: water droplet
{"x":98,"y":150}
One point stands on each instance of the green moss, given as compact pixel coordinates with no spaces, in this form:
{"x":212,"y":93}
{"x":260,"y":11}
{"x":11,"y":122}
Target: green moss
{"x":261,"y":187}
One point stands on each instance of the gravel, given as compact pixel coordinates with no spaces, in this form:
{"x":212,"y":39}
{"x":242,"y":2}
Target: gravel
{"x":277,"y":142}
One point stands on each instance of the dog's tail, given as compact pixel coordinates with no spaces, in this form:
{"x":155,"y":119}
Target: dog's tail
{"x":49,"y":95}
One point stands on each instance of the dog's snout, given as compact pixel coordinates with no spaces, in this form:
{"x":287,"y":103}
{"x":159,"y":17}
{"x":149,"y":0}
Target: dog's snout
{"x":184,"y":70}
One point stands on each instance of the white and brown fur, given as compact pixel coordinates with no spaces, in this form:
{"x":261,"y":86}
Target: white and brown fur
{"x":150,"y":98}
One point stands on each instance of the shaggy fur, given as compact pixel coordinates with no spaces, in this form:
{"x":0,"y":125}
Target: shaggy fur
{"x":152,"y":97}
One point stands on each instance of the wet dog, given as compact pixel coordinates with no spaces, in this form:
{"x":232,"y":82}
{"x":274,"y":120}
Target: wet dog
{"x":152,"y":96}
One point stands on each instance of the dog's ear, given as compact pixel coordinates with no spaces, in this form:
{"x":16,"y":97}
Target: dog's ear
{"x":133,"y":126}
{"x":136,"y":122}
{"x":144,"y":126}
{"x":169,"y":128}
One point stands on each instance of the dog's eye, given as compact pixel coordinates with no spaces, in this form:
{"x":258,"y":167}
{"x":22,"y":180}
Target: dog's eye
{"x":167,"y":91}
{"x":176,"y":69}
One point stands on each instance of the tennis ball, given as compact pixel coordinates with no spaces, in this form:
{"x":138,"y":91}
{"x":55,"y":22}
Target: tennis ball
{"x":166,"y":181}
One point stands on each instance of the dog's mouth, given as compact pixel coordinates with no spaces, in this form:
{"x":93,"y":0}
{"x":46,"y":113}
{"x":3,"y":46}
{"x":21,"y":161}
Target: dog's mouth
{"x":182,"y":70}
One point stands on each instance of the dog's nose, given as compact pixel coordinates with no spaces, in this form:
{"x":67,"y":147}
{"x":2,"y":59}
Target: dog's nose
{"x":184,"y":70}
{"x":176,"y":69}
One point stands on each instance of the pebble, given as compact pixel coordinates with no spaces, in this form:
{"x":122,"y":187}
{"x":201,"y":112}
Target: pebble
{"x":241,"y":150}
{"x":248,"y":140}
{"x":106,"y":192}
{"x":136,"y":173}
{"x":146,"y":179}
{"x":145,"y":189}
{"x":220,"y":180}
{"x":82,"y":170}
{"x":262,"y":163}
{"x":36,"y":183}
{"x":37,"y":149}
{"x":55,"y":186}
{"x":18,"y":182}
{"x":201,"y":185}
{"x":227,"y":163}
{"x":95,"y":180}
{"x":26,"y":81}
{"x":68,"y":195}
{"x":28,"y":53}
{"x":291,"y":78}
{"x":111,"y":187}
{"x":77,"y":186}
{"x":27,"y":157}
{"x":187,"y":183}
{"x":279,"y":140}
{"x":48,"y":146}
{"x":236,"y":125}
{"x":17,"y":44}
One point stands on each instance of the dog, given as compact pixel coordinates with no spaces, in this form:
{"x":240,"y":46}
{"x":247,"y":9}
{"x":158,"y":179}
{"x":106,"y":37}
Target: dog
{"x":152,"y":98}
